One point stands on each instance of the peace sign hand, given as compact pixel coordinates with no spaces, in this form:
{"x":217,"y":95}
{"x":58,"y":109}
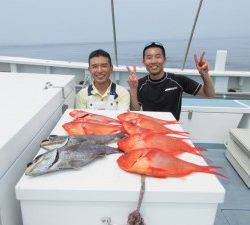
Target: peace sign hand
{"x":132,"y":78}
{"x":201,"y":64}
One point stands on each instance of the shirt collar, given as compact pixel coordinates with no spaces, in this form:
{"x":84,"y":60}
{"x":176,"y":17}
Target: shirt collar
{"x":157,"y":81}
{"x":96,"y":92}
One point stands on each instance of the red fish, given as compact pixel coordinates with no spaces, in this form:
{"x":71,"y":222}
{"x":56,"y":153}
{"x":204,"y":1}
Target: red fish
{"x":73,"y":128}
{"x":160,"y":164}
{"x":131,"y":128}
{"x":171,"y":145}
{"x":91,"y":117}
{"x":81,"y":128}
{"x":128,"y":116}
{"x":155,"y":126}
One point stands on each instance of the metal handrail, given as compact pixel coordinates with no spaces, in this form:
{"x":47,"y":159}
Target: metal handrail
{"x":191,"y":35}
{"x":114,"y":32}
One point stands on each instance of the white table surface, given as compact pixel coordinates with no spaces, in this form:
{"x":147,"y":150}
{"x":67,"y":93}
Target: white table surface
{"x":103,"y":180}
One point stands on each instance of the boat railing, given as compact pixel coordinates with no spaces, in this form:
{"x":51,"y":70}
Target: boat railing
{"x":227,"y":83}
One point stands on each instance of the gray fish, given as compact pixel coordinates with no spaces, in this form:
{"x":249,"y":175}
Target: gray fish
{"x":55,"y":141}
{"x":68,"y":157}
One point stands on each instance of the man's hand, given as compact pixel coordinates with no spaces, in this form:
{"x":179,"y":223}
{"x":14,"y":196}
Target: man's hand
{"x":132,"y":78}
{"x":201,"y":64}
{"x":207,"y":89}
{"x":133,"y":84}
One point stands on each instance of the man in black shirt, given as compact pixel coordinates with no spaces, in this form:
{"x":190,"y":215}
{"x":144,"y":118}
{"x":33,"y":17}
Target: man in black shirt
{"x":160,"y":91}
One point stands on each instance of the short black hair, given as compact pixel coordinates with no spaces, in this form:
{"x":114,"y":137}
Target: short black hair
{"x":154,"y":45}
{"x":100,"y":52}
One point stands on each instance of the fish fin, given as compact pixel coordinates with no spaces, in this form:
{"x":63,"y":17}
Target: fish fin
{"x":157,"y":172}
{"x":74,"y":147}
{"x":204,"y":157}
{"x":184,"y":133}
{"x":76,"y":164}
{"x":208,"y":169}
{"x":200,"y":149}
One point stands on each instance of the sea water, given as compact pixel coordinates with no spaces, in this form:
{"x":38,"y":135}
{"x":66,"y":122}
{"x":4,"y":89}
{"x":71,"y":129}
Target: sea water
{"x":130,"y":52}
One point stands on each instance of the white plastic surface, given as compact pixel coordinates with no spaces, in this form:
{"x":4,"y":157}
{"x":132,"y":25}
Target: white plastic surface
{"x":104,"y":181}
{"x":25,"y":107}
{"x":28,"y":113}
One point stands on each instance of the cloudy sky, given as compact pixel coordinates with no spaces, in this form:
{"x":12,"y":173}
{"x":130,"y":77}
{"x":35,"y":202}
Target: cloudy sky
{"x":70,"y":21}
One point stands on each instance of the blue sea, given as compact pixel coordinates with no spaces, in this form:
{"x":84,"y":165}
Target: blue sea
{"x":130,"y":52}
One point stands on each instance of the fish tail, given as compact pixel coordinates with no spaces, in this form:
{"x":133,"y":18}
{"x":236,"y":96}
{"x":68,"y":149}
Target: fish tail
{"x":209,"y":169}
{"x":172,"y":122}
{"x":200,"y":149}
{"x":114,"y":151}
{"x":195,"y":150}
{"x":201,"y":155}
{"x":179,"y":137}
{"x":183,"y":133}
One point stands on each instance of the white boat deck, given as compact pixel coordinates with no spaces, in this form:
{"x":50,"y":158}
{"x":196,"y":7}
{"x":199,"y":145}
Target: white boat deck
{"x":235,"y":210}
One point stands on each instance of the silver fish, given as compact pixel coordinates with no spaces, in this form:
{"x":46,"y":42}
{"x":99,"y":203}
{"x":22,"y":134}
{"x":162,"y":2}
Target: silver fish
{"x":69,"y":157}
{"x":55,"y":141}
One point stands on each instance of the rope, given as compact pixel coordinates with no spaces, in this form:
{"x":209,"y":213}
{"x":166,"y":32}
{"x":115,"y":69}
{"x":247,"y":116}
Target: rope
{"x":135,"y":218}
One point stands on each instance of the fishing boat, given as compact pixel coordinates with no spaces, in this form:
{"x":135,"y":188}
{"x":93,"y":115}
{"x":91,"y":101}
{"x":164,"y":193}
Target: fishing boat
{"x":34,"y":95}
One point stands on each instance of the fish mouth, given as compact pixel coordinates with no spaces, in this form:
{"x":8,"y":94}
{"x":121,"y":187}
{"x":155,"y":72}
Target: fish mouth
{"x":54,"y":141}
{"x":33,"y":167}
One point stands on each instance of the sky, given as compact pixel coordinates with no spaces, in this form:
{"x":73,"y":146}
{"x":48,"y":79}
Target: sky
{"x":74,"y":21}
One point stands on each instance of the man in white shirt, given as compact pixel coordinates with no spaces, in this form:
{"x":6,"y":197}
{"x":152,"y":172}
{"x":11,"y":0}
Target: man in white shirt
{"x":102,"y":93}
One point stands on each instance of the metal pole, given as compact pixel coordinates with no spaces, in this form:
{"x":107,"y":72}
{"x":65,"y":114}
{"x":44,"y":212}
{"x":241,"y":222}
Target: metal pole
{"x":191,"y":35}
{"x":114,"y":31}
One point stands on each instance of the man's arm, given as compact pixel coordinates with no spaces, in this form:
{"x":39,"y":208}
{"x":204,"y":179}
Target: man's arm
{"x":133,"y":84}
{"x":207,"y":89}
{"x":124,"y":100}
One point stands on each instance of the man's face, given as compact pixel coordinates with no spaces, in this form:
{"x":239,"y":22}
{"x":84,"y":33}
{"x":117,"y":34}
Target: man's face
{"x":100,"y":69}
{"x":154,"y":60}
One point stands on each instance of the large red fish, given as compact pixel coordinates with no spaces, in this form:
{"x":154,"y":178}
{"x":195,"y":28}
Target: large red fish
{"x":155,"y":126}
{"x":160,"y":164}
{"x":131,"y":128}
{"x":171,"y":145}
{"x":81,"y":128}
{"x":128,"y":116}
{"x":91,"y":117}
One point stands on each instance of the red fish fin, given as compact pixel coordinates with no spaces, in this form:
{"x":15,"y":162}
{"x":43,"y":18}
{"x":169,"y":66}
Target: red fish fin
{"x":157,"y":172}
{"x":172,"y":122}
{"x":199,"y":154}
{"x":200,"y":149}
{"x":208,"y":169}
{"x":78,"y":113}
{"x":181,"y":132}
{"x":178,"y":137}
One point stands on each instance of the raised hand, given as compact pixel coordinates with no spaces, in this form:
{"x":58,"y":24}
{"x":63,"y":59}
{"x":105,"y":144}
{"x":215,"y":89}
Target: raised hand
{"x":201,"y":64}
{"x":132,"y":78}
